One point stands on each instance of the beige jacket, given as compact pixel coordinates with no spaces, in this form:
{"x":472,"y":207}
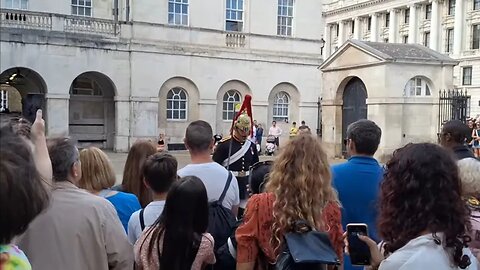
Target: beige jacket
{"x":79,"y":231}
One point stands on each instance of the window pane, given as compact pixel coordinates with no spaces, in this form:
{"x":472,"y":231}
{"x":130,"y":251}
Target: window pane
{"x":81,"y":11}
{"x":183,"y":115}
{"x":184,"y":9}
{"x":169,"y":104}
{"x":169,"y":114}
{"x":176,"y":114}
{"x":74,"y":2}
{"x":88,"y":12}
{"x":427,"y":90}
{"x":171,"y":7}
{"x":183,"y":105}
{"x":74,"y":10}
{"x":24,"y":4}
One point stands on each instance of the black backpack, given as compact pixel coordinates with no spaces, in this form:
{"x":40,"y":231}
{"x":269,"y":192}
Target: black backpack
{"x":306,"y":249}
{"x":221,"y":220}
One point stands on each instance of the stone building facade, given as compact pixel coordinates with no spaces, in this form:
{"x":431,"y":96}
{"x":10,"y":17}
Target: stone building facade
{"x":154,"y":66}
{"x":451,"y":27}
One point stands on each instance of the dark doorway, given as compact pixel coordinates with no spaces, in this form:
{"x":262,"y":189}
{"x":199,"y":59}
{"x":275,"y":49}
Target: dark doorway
{"x":354,"y":106}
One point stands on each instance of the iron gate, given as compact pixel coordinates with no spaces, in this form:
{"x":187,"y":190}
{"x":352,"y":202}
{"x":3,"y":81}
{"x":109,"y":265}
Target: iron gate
{"x":453,"y":105}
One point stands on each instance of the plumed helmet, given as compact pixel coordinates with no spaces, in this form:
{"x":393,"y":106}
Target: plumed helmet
{"x":243,"y":123}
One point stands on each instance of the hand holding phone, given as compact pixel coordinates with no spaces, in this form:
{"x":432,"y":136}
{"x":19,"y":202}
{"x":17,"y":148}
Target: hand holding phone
{"x":358,"y":250}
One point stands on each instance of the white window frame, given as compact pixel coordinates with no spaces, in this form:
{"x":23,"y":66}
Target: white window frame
{"x":464,"y":81}
{"x":283,"y":18}
{"x":417,"y":87}
{"x":15,"y":4}
{"x":230,"y":99}
{"x":449,"y":34}
{"x":281,"y":106}
{"x":179,"y":17}
{"x":178,"y":100}
{"x":237,"y":7}
{"x":78,"y":5}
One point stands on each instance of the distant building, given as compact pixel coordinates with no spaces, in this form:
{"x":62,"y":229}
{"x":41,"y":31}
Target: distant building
{"x":154,"y":66}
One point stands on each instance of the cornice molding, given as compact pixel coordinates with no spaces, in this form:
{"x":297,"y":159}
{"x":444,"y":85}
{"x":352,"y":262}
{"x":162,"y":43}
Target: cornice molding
{"x":354,"y":7}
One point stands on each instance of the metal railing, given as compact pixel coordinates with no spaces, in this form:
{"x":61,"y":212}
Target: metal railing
{"x":453,"y":105}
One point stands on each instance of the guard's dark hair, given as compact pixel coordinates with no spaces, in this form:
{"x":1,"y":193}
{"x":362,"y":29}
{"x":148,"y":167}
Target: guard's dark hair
{"x":422,"y":192}
{"x":294,"y":123}
{"x":182,"y":223}
{"x":63,"y":153}
{"x":303,"y":122}
{"x":160,"y":171}
{"x":22,"y":194}
{"x":198,"y":136}
{"x":259,"y":176}
{"x":457,"y":130}
{"x":366,"y":135}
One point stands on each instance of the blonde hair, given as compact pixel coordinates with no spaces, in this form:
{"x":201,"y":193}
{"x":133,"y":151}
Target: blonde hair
{"x":97,"y":170}
{"x":469,"y":170}
{"x":301,"y":182}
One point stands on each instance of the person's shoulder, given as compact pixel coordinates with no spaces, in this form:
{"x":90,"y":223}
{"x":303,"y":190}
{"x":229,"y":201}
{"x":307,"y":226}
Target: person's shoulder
{"x":134,"y":218}
{"x":129,"y":197}
{"x":226,"y":139}
{"x":261,"y":199}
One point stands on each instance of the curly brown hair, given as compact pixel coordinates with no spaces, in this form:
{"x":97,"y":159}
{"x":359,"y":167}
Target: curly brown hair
{"x":421,"y":192}
{"x":301,"y":181}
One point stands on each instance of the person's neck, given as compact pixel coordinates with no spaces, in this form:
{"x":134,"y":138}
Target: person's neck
{"x":360,"y":155}
{"x":200,"y":158}
{"x":159,"y":196}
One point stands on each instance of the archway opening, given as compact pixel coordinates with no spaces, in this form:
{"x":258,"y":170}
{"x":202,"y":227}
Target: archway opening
{"x":22,"y":93}
{"x":92,"y":110}
{"x":354,"y":106}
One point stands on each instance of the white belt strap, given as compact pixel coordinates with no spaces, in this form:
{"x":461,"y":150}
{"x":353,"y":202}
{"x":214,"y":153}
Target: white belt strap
{"x":240,"y":153}
{"x":231,"y":248}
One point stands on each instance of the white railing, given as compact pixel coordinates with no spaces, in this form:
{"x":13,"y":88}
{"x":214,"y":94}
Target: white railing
{"x":235,"y":40}
{"x":25,"y":19}
{"x":77,"y":24}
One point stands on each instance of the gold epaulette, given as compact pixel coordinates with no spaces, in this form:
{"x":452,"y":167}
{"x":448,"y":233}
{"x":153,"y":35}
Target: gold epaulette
{"x":226,"y":139}
{"x":473,"y":202}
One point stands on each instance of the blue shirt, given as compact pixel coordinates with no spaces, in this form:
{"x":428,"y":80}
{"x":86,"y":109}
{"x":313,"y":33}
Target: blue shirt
{"x":125,"y":204}
{"x":357,"y":182}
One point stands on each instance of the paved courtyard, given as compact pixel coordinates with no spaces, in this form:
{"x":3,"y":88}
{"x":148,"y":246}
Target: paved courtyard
{"x":118,"y":160}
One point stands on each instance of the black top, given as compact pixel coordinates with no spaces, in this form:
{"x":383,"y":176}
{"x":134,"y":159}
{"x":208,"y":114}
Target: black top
{"x":462,"y":152}
{"x":244,"y":163}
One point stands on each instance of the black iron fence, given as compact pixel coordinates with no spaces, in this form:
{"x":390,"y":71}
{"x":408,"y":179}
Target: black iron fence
{"x":453,"y":105}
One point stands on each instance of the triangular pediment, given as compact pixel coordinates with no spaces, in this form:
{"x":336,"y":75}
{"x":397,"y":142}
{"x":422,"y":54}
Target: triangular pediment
{"x":349,"y":56}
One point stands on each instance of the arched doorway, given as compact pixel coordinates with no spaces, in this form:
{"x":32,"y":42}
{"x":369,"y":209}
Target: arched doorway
{"x":92,"y":110}
{"x":22,"y":93}
{"x":354,"y":105}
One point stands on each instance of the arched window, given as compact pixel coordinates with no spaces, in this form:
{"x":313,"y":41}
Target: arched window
{"x":230,"y":99}
{"x":177,"y":104}
{"x":417,"y":87}
{"x":280,"y":106}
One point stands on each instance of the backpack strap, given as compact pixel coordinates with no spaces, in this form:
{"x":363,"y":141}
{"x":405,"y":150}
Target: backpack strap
{"x":227,"y":185}
{"x":142,"y":221}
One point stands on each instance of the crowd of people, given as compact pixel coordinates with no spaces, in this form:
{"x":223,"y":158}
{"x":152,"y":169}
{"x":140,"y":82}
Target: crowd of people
{"x":60,"y":208}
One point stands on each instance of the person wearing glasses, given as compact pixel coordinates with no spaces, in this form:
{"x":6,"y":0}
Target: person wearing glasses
{"x":453,"y":137}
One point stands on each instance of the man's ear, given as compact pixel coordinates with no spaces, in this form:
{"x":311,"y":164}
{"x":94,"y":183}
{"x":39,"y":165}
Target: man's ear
{"x":145,"y":183}
{"x":185,"y":143}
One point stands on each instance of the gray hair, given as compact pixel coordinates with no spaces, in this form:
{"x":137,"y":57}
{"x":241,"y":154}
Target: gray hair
{"x":469,"y":170}
{"x":63,"y":154}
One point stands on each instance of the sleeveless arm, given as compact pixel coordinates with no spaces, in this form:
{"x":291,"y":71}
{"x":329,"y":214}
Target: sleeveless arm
{"x":247,"y":233}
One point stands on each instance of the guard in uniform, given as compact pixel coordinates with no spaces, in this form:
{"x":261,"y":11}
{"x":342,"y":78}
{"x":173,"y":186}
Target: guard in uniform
{"x":243,"y":154}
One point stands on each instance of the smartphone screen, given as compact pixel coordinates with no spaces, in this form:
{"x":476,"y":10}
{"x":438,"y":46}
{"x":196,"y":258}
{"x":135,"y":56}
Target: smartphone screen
{"x":358,"y":250}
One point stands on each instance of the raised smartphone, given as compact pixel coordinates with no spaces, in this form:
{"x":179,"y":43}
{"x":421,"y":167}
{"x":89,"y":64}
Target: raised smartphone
{"x":358,"y":250}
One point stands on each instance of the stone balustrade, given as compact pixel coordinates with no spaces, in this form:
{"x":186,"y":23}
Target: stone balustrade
{"x":25,"y":19}
{"x":48,"y":21}
{"x":235,"y":40}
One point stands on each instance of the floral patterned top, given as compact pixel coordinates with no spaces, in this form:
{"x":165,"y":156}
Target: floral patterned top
{"x":205,"y":255}
{"x":255,"y":233}
{"x":12,"y":258}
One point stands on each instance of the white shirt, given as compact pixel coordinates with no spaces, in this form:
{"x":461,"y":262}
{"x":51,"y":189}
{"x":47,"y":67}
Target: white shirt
{"x":151,"y":213}
{"x":275,"y":131}
{"x":214,"y":177}
{"x":422,"y":253}
{"x":253,"y":138}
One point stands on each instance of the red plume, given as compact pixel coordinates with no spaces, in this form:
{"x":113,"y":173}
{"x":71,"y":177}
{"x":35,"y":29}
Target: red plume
{"x":246,"y":105}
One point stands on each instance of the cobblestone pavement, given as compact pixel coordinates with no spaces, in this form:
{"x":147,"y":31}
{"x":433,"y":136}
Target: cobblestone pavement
{"x":118,"y":160}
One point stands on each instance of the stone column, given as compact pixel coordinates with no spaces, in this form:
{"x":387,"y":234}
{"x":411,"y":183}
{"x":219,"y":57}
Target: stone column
{"x":458,"y":26}
{"x":327,"y":37}
{"x":341,"y":33}
{"x":374,"y":28}
{"x":122,"y":124}
{"x":434,"y":26}
{"x":412,"y":25}
{"x":356,"y":28}
{"x":144,"y":118}
{"x":393,"y":28}
{"x":57,"y":114}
